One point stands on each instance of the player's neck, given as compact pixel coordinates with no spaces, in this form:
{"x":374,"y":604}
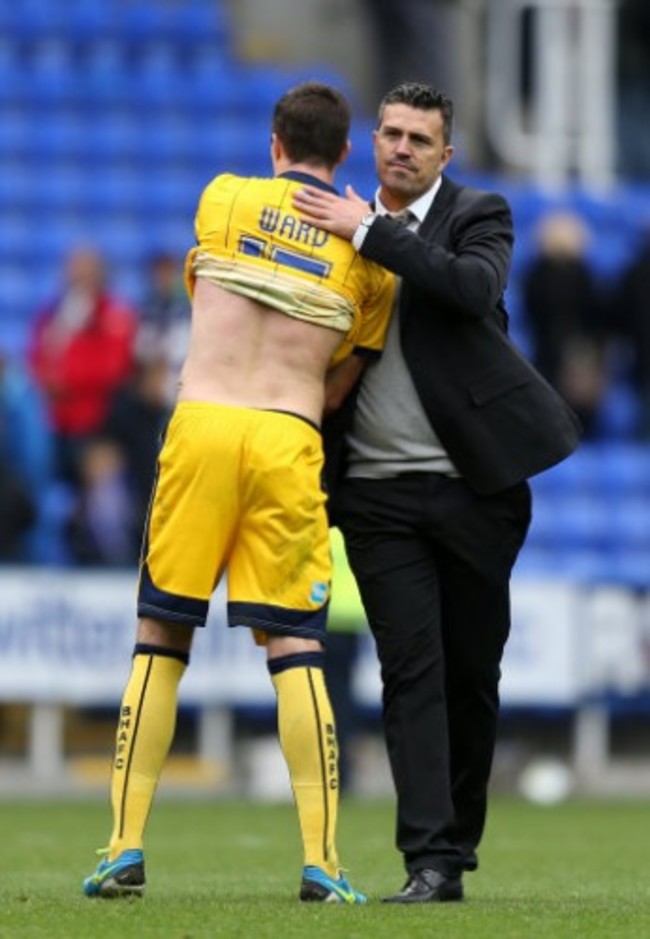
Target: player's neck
{"x":322,"y":173}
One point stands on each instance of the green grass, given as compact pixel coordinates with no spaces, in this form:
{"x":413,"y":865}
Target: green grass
{"x":231,"y":869}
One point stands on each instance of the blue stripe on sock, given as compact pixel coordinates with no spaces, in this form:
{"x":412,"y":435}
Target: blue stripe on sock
{"x":145,"y":648}
{"x":297,"y":660}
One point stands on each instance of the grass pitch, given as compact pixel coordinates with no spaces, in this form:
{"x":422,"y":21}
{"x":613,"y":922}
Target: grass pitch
{"x":231,"y":869}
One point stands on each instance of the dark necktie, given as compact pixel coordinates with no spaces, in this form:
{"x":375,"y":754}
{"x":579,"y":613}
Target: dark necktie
{"x":405,"y":217}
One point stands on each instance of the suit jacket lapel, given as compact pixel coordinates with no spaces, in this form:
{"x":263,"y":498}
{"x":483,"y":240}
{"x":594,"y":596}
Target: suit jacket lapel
{"x":436,"y":215}
{"x":441,"y":205}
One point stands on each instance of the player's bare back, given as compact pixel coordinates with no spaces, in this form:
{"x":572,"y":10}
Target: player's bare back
{"x":244,"y":353}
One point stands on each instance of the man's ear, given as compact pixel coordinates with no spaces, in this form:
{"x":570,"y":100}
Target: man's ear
{"x":277,"y":150}
{"x":345,"y":152}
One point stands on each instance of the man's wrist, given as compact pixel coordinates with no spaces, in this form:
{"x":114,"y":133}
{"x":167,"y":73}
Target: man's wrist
{"x":362,"y":229}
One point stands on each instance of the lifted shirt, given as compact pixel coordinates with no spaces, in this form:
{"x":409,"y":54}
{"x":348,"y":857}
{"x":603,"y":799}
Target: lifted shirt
{"x":251,"y":241}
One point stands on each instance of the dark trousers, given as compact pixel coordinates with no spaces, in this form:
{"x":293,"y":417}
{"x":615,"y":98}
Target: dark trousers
{"x":433,"y":563}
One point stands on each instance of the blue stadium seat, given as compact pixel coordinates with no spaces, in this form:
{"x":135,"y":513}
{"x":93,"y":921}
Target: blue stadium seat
{"x":616,"y":475}
{"x":629,"y":568}
{"x":175,"y":235}
{"x":198,"y":20}
{"x":360,"y":176}
{"x":140,"y":21}
{"x":153,"y":88}
{"x":50,"y":72}
{"x":623,"y":467}
{"x":619,"y":414}
{"x":209,"y":89}
{"x":178,"y":22}
{"x":123,"y":241}
{"x":570,"y":521}
{"x":51,"y":243}
{"x":14,"y":334}
{"x":16,"y":233}
{"x":63,"y":135}
{"x":117,"y":136}
{"x":538,"y":561}
{"x":129,"y":280}
{"x":103,"y":76}
{"x":234,"y":144}
{"x":577,"y":565}
{"x":16,"y":283}
{"x":586,"y":565}
{"x":168,"y":138}
{"x":56,"y":508}
{"x":575,"y":475}
{"x":171,"y":193}
{"x":10,"y":58}
{"x":90,"y":19}
{"x":529,"y":204}
{"x":17,"y":129}
{"x":113,"y":191}
{"x":35,"y":19}
{"x":64,"y":188}
{"x":542,"y":526}
{"x":629,"y":521}
{"x":16,"y":182}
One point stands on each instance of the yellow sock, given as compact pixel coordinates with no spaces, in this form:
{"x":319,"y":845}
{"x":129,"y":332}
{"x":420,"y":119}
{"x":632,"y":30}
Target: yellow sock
{"x":308,"y":741}
{"x":144,"y":734}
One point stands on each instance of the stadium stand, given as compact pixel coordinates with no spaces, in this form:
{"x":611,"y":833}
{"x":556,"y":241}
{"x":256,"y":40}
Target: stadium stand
{"x":115,"y":116}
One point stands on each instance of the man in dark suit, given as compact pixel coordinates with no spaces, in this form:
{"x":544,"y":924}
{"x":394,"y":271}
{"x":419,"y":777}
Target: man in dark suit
{"x":434,"y":505}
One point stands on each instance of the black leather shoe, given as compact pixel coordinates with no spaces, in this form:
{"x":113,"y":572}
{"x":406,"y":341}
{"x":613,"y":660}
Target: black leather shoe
{"x":470,"y":861}
{"x":428,"y":886}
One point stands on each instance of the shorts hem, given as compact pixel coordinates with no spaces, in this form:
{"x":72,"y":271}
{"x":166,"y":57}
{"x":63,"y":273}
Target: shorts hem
{"x":278,"y":629}
{"x":158,"y":612}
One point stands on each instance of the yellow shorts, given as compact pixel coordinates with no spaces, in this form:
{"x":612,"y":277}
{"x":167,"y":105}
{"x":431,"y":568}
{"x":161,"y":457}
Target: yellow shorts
{"x":238,"y":490}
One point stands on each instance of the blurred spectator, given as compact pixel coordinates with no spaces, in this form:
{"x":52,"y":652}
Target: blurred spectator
{"x":566,"y":315}
{"x":80,"y":352}
{"x":165,"y":318}
{"x":17,"y":514}
{"x":632,"y":306}
{"x":135,"y":421}
{"x":101,"y":529}
{"x":25,"y":462}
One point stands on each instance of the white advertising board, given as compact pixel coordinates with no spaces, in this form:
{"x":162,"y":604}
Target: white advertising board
{"x":68,"y":636}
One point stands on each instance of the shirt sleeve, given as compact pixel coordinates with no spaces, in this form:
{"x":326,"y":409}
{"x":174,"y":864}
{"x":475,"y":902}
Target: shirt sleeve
{"x":375,"y":315}
{"x":206,"y":221}
{"x":368,"y":335}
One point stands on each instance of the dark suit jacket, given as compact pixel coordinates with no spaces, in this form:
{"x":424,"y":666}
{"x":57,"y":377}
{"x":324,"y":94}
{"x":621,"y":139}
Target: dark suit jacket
{"x":498,"y":419}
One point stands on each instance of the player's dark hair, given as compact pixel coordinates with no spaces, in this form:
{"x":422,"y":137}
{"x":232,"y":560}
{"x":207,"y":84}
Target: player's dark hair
{"x":312,"y":121}
{"x":425,"y":98}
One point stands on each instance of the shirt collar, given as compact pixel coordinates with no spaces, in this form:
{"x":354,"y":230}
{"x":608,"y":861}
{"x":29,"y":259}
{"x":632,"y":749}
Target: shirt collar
{"x":420,"y":207}
{"x":307,"y":180}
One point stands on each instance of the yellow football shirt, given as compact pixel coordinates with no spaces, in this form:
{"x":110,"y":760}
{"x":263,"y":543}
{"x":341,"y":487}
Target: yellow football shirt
{"x":250,"y":240}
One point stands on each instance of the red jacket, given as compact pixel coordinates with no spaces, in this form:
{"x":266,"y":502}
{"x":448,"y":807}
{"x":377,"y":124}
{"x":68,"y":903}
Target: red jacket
{"x":80,"y":374}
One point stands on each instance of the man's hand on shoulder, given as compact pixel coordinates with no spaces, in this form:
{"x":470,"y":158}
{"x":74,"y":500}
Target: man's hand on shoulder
{"x":340,"y":215}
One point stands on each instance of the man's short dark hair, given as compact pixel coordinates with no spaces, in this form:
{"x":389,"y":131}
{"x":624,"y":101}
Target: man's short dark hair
{"x":312,"y":121}
{"x":425,"y":98}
